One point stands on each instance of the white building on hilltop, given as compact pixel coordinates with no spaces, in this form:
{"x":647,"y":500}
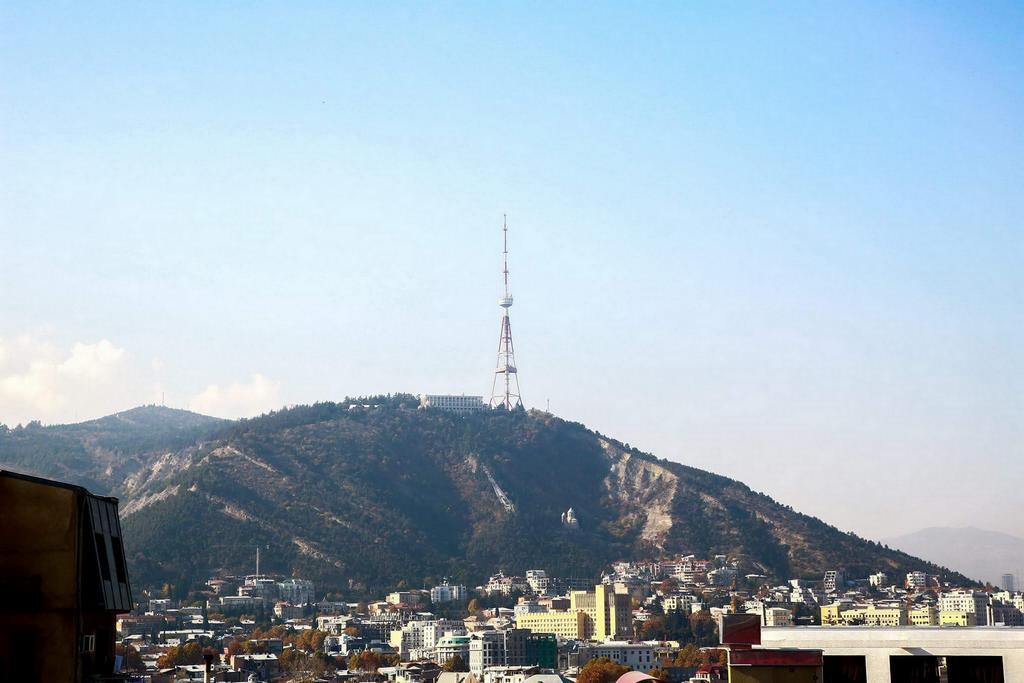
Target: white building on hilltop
{"x":448,"y":593}
{"x":461,"y":404}
{"x":917,"y":581}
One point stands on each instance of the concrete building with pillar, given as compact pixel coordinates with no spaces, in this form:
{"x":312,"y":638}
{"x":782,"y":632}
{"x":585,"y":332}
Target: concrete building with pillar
{"x":894,"y":655}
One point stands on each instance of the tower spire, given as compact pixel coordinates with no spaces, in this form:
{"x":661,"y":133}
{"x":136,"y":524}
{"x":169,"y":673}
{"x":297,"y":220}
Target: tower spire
{"x":507,"y":396}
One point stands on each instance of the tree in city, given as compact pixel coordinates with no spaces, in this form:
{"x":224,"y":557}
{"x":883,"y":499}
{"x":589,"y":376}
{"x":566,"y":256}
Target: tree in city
{"x":132,"y":658}
{"x":179,"y":655}
{"x":689,"y":656}
{"x":455,"y":663}
{"x":601,"y":670}
{"x":658,"y":673}
{"x":367,"y":660}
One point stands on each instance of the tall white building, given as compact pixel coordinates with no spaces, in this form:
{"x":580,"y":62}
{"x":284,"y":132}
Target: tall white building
{"x":419,"y":639}
{"x":878,"y":580}
{"x":448,"y":593}
{"x":917,"y":581}
{"x":460,"y":404}
{"x":967,"y":601}
{"x":537,"y":580}
{"x":835,"y":579}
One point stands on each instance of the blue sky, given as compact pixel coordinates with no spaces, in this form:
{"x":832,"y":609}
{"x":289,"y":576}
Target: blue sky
{"x":781,"y":243}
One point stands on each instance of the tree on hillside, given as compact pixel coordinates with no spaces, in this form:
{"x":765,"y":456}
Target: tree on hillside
{"x":189,"y":653}
{"x":601,"y":670}
{"x":660,"y":674}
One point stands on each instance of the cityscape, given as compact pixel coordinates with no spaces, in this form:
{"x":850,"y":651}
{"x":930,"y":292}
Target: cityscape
{"x":254,"y":427}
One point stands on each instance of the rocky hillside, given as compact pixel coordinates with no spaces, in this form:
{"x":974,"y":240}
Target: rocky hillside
{"x":381,"y":495}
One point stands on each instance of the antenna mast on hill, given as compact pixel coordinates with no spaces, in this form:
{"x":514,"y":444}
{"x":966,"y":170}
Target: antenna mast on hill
{"x":509,"y":397}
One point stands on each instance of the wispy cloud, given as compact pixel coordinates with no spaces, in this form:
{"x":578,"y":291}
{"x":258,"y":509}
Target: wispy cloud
{"x":239,"y":399}
{"x":38,"y":380}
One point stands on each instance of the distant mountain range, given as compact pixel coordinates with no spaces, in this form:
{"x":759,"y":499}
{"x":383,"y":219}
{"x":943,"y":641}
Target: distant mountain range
{"x":985,"y":555}
{"x":350,"y":495}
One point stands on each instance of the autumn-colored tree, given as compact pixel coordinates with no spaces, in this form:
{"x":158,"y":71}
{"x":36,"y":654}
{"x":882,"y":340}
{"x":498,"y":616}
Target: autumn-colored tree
{"x":688,"y":656}
{"x":132,"y":658}
{"x":235,"y":647}
{"x":288,"y":659}
{"x":601,"y":670}
{"x":652,"y":629}
{"x":189,"y":653}
{"x":365,"y":660}
{"x":473,"y":607}
{"x":660,"y":674}
{"x":455,"y":663}
{"x":311,"y":640}
{"x":277,"y":631}
{"x":352,"y":631}
{"x":703,"y":627}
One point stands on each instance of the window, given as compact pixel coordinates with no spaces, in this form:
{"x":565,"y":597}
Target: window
{"x":119,"y":565}
{"x":89,"y":643}
{"x":101,"y":551}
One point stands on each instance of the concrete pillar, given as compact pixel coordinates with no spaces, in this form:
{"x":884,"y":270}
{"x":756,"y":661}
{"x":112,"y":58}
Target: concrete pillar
{"x":876,"y":663}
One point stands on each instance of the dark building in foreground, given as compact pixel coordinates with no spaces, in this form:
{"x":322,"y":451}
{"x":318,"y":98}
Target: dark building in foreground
{"x":62,"y":567}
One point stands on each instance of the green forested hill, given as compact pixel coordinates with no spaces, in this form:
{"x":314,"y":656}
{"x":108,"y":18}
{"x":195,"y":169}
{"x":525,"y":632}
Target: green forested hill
{"x":381,"y":495}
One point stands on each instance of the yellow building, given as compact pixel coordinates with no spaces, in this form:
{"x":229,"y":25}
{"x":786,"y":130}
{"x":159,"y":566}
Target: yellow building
{"x":924,"y":616}
{"x":567,"y":625}
{"x":950,"y":618}
{"x":601,"y":614}
{"x":831,"y":614}
{"x":872,"y":615}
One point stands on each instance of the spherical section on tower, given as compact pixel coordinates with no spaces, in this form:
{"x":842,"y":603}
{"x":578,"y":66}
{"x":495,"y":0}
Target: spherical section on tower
{"x":505,"y":301}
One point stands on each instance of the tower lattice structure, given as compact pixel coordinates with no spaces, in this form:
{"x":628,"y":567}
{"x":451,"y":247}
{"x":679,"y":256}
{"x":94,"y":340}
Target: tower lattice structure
{"x":505,"y":373}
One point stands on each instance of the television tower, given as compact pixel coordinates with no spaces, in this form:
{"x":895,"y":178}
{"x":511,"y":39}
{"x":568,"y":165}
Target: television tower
{"x":508,"y":397}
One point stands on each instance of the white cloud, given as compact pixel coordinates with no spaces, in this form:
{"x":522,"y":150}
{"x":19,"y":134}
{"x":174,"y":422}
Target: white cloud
{"x":92,"y":361}
{"x":239,"y":399}
{"x":38,"y":381}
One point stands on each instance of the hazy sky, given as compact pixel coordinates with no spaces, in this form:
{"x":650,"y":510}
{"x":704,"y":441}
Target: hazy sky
{"x":783,"y":243}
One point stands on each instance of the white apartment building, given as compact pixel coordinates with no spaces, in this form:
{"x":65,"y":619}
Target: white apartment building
{"x":486,"y":649}
{"x":450,"y":646}
{"x":917,"y":581}
{"x":834,"y":580}
{"x":461,"y":404}
{"x":448,"y":593}
{"x":878,"y":580}
{"x":537,"y":580}
{"x":638,"y":656}
{"x":497,"y":649}
{"x":776,"y":616}
{"x":506,"y":585}
{"x":418,"y":639}
{"x":678,"y":602}
{"x":968,"y":601}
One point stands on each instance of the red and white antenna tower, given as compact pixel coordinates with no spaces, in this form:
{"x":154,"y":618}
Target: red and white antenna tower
{"x":508,"y":397}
